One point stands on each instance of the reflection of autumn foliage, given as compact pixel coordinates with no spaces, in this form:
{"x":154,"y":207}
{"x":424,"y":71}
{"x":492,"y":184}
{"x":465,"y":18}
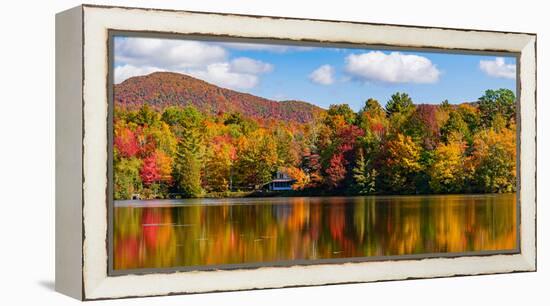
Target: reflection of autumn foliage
{"x":310,"y":228}
{"x":337,"y":222}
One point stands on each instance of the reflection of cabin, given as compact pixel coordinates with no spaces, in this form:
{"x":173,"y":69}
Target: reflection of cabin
{"x":281,"y":181}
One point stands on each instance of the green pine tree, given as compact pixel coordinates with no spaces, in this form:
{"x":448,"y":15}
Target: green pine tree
{"x":364,"y":178}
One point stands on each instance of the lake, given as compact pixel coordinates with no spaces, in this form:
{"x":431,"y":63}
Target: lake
{"x":198,"y":232}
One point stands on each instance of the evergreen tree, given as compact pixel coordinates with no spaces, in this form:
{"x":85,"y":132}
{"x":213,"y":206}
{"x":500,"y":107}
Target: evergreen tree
{"x":497,"y":102}
{"x":399,"y":103}
{"x":187,"y":171}
{"x":189,"y":153}
{"x":364,"y":177}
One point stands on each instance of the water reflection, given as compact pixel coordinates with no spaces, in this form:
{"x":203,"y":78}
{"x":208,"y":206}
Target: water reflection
{"x":160,"y":234}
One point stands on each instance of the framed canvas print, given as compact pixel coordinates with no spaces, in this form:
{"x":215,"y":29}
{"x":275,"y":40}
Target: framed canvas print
{"x":201,"y":152}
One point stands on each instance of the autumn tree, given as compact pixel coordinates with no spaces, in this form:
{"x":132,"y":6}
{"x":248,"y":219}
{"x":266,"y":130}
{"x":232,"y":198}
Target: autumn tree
{"x":372,"y":119}
{"x":422,"y":125}
{"x":161,"y":137}
{"x":125,"y":140}
{"x":364,"y":176}
{"x":399,"y":109}
{"x":149,"y":171}
{"x":471,"y":116}
{"x":173,"y":115}
{"x":494,"y":160}
{"x":311,"y":165}
{"x":187,"y":171}
{"x":301,"y":179}
{"x":336,"y":171}
{"x":343,"y":111}
{"x":399,"y":103}
{"x":342,"y":155}
{"x":401,"y":164}
{"x":256,"y":159}
{"x":164,"y":165}
{"x":445,"y":105}
{"x":286,"y":148}
{"x":218,"y":162}
{"x":447,"y":172}
{"x":189,"y":152}
{"x":146,"y":116}
{"x":127,"y":180}
{"x":239,"y":125}
{"x":150,"y":176}
{"x":495,"y":103}
{"x":455,"y":125}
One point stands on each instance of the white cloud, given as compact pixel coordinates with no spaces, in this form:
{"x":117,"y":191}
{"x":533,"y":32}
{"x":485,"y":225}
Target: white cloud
{"x":222,"y":75}
{"x":322,"y":75}
{"x":498,"y":68}
{"x":248,"y":65}
{"x":391,"y":68}
{"x":127,"y":71}
{"x":167,"y":52}
{"x":207,"y":61}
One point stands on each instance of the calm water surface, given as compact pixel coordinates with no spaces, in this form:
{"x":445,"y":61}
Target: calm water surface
{"x":172,"y":233}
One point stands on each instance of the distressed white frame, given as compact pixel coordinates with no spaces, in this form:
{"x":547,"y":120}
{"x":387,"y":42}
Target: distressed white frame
{"x":96,"y":23}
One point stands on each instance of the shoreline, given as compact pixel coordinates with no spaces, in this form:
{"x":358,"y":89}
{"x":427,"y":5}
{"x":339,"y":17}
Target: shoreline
{"x":278,"y":200}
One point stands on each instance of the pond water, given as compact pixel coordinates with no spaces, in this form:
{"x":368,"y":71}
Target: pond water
{"x":199,"y":232}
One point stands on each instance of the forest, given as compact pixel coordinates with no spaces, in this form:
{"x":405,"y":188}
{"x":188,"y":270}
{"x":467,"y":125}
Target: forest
{"x":398,"y":148}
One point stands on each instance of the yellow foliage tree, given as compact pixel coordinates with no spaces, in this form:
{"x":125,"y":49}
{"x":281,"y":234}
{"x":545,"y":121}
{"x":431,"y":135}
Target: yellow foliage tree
{"x":300,"y":177}
{"x":402,"y":163}
{"x":494,"y":160}
{"x":447,"y":170}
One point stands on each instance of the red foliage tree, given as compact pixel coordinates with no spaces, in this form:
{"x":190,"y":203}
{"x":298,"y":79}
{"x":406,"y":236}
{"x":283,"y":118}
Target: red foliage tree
{"x":149,"y":170}
{"x":424,"y":119}
{"x":147,"y":143}
{"x":126,"y":142}
{"x":347,"y":137}
{"x":336,"y":171}
{"x":344,"y":156}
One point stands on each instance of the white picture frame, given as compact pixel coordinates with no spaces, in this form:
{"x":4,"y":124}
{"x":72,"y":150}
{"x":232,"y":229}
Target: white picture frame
{"x":82,"y":72}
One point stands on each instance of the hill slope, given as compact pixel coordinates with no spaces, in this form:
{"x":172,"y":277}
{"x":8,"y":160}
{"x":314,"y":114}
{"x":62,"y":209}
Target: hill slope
{"x":162,"y":89}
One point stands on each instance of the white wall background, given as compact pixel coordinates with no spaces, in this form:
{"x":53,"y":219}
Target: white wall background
{"x":27,"y":153}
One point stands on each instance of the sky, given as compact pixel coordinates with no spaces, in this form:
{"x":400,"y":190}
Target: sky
{"x":319,"y":75}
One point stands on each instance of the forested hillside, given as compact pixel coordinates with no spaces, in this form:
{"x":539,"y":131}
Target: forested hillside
{"x":162,"y":89}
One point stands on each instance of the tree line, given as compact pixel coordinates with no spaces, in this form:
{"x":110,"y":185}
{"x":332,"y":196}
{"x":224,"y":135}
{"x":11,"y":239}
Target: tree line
{"x":401,"y":148}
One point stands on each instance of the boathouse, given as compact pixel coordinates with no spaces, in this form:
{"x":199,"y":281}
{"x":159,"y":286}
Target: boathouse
{"x":281,"y":181}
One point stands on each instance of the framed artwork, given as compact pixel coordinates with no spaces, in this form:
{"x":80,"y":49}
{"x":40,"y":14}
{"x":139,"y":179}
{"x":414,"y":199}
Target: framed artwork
{"x":200,"y":152}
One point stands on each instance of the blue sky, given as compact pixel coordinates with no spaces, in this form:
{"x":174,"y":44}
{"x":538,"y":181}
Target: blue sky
{"x":322,"y":76}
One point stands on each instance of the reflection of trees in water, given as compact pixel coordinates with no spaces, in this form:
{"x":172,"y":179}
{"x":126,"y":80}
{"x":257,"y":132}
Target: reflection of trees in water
{"x":311,"y":228}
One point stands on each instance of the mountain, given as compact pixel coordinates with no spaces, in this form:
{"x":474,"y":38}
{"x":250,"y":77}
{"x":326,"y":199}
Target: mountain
{"x":162,"y":89}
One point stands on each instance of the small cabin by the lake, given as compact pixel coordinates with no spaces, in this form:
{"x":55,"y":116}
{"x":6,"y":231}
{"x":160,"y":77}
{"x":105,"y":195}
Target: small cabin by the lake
{"x":281,"y":181}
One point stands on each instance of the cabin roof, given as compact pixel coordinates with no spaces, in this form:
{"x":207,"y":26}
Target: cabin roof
{"x":281,"y":180}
